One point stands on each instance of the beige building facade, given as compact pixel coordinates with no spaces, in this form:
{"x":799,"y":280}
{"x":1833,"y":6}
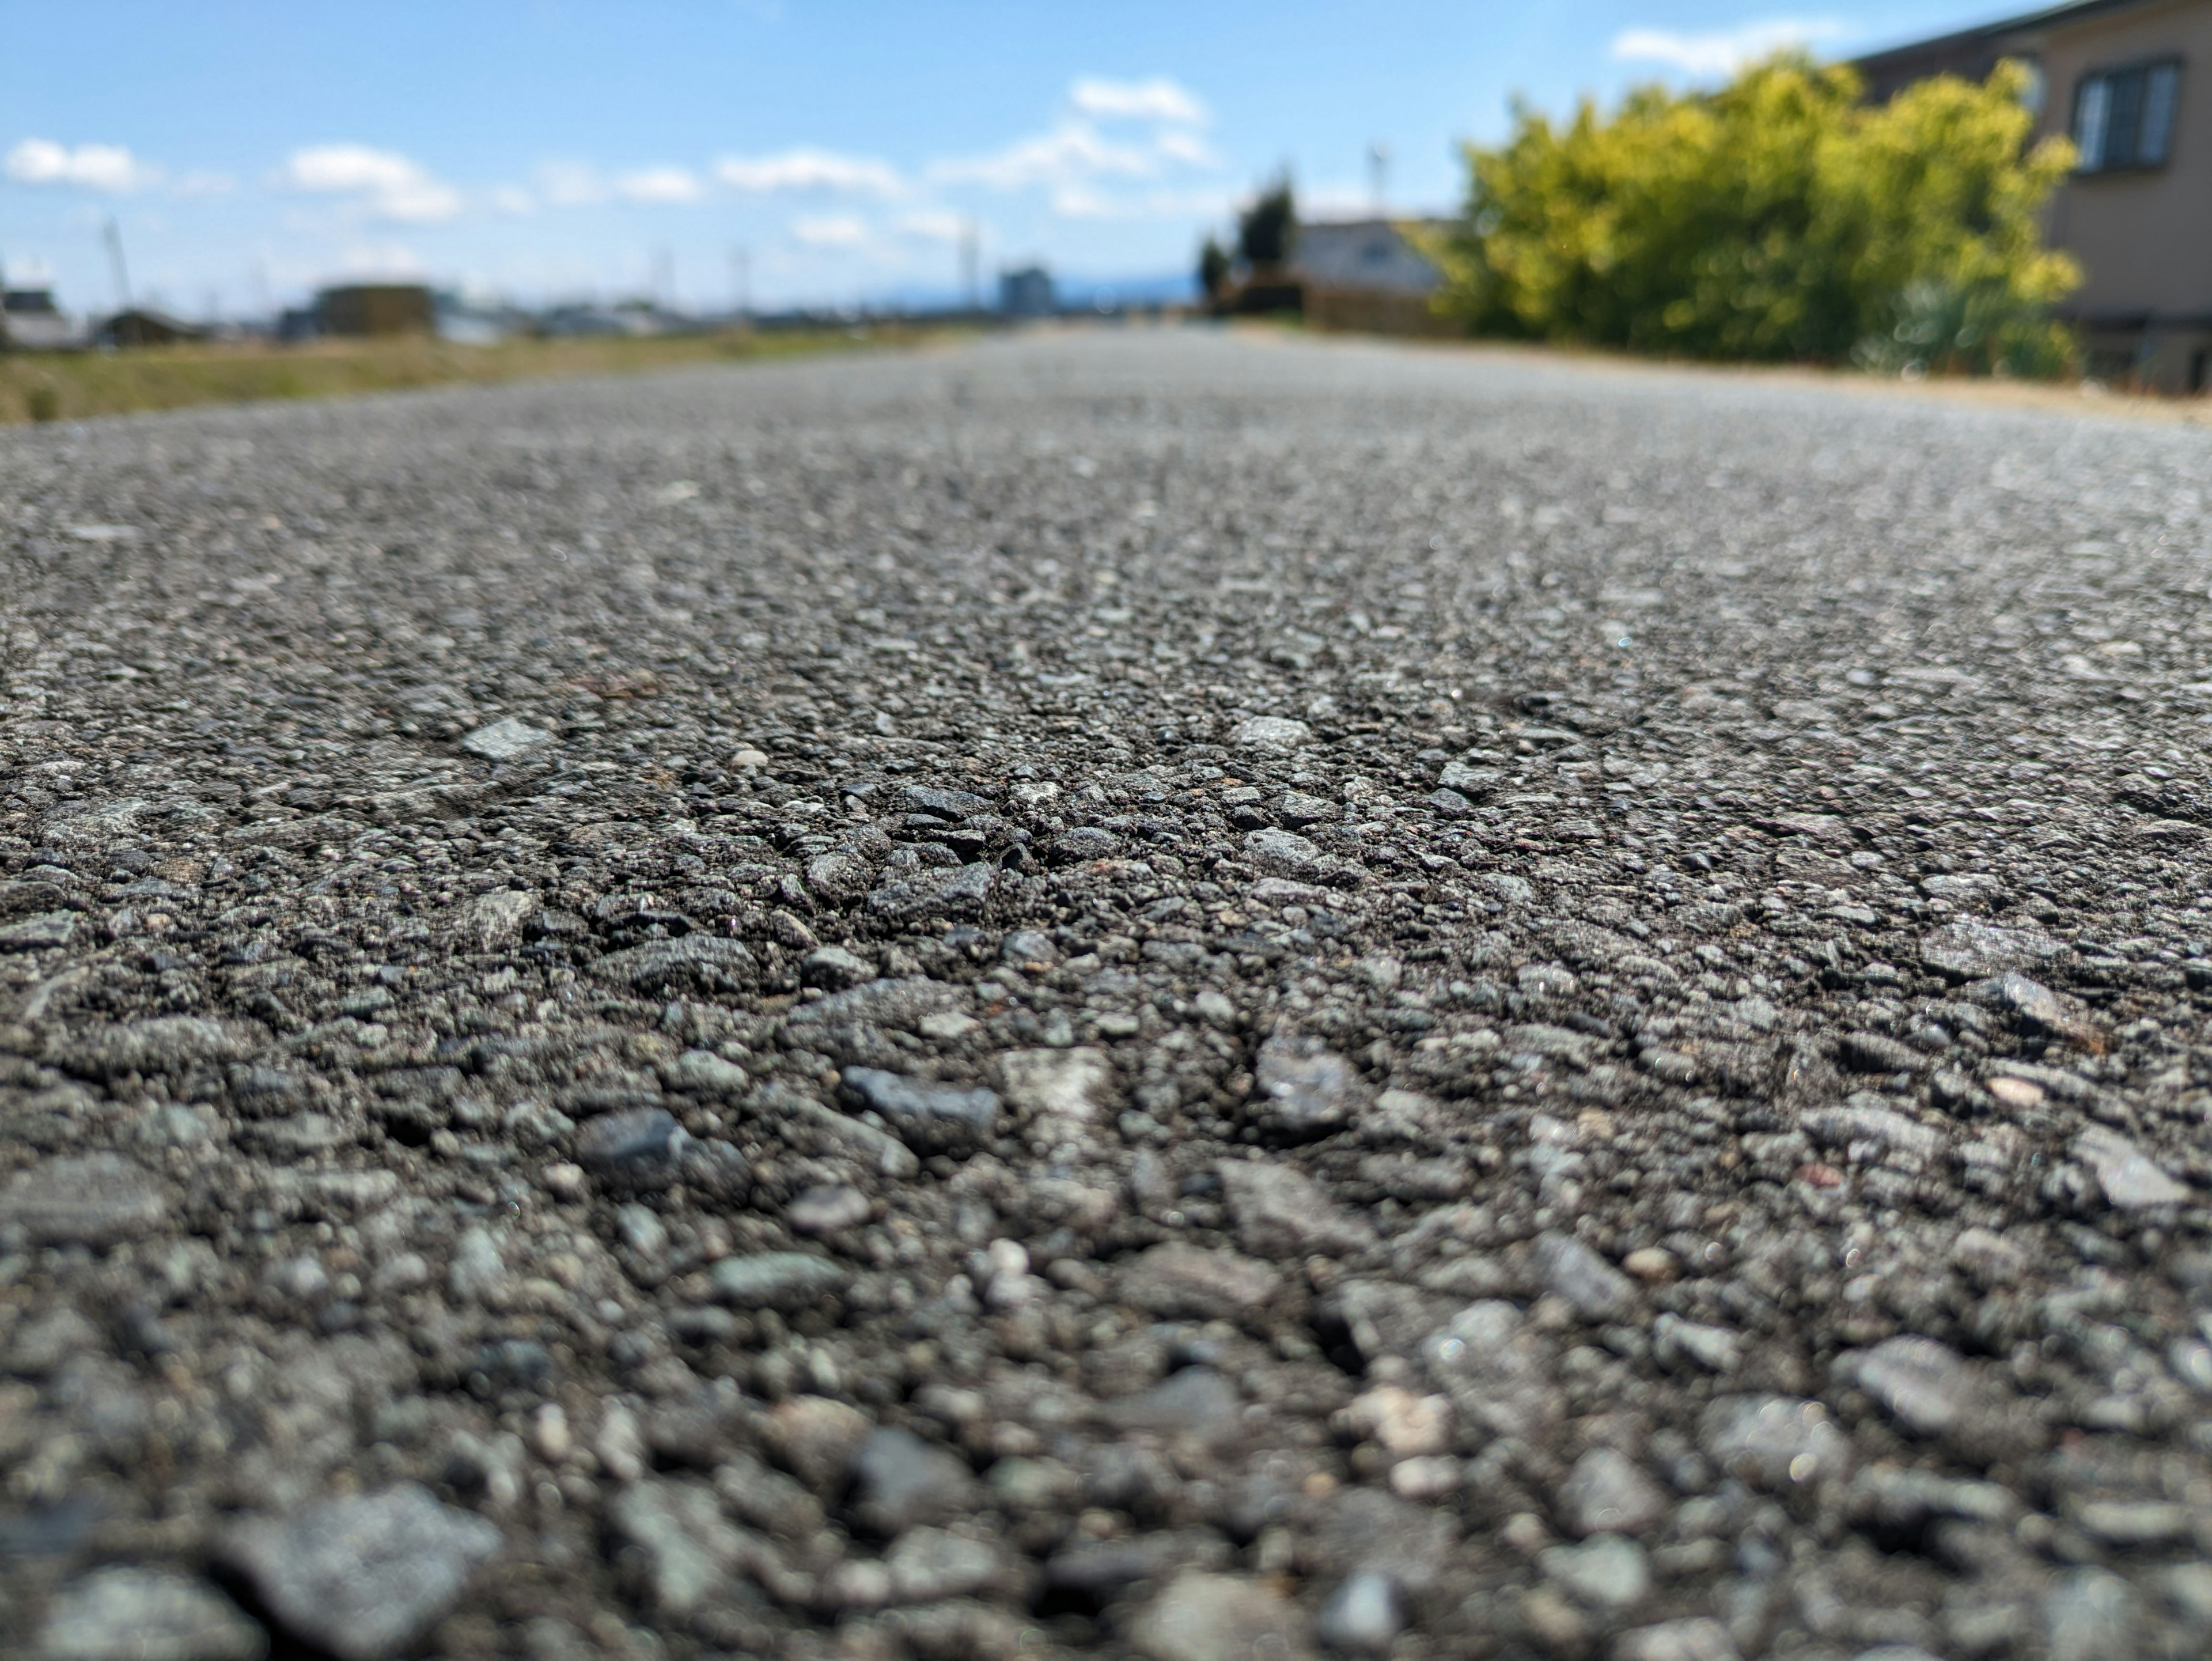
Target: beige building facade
{"x":2130,"y":82}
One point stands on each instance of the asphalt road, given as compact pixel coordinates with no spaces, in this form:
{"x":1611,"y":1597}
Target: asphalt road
{"x":1139,"y":994}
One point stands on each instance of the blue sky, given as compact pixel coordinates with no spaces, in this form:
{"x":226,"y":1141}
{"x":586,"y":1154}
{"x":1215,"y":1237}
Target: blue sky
{"x":552,"y":148}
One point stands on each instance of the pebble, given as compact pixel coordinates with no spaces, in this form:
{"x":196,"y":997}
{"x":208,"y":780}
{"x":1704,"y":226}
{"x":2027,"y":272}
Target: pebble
{"x":1699,"y":1638}
{"x":1304,"y":1089}
{"x":901,"y":1481}
{"x":2130,"y":1179}
{"x":928,"y":1116}
{"x":1281,"y":1213}
{"x":1775,"y":1441}
{"x":364,"y":1576}
{"x":1608,"y":1574}
{"x":91,"y":1199}
{"x":1597,"y":1290}
{"x":1363,"y":1616}
{"x":1923,"y":1384}
{"x":778,"y":1279}
{"x":505,"y":739}
{"x":146,"y":1614}
{"x":1270,"y":732}
{"x":1607,"y":1493}
{"x":827,"y":1211}
{"x":2092,"y":1615}
{"x":1220,"y":1617}
{"x":1069,"y":1088}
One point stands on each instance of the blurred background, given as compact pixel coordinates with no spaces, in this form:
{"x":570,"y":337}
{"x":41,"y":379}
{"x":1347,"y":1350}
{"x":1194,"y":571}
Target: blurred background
{"x":706,"y":156}
{"x":1970,"y":191}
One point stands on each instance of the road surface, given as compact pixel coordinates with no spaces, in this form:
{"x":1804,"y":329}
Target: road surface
{"x":1127,"y":992}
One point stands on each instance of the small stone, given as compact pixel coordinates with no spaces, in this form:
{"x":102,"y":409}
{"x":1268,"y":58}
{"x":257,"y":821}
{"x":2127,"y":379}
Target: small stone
{"x":1068,"y":1087}
{"x":1700,"y":1638}
{"x":1608,"y":1574}
{"x":1967,"y":950}
{"x":1269,"y":732}
{"x":1304,"y":1088}
{"x":745,"y":756}
{"x":493,"y":919}
{"x":2130,"y":1179}
{"x":2134,"y":1524}
{"x":1775,"y":1441}
{"x":89,"y":1199}
{"x":1220,"y":1617}
{"x":1885,"y":1126}
{"x":901,"y":1481}
{"x":1407,"y":1426}
{"x":168,"y":1044}
{"x":1495,"y":1370}
{"x":1029,"y":950}
{"x":1874,"y":1052}
{"x":1196,"y":1400}
{"x":1178,"y":1281}
{"x":932,"y":898}
{"x":1471,"y":782}
{"x":1282,"y":1213}
{"x":1675,"y":1340}
{"x":778,"y":1279}
{"x":705,"y":961}
{"x":633,"y":1143}
{"x":928,"y":1116}
{"x":36,"y":932}
{"x":146,"y":1614}
{"x":363,"y":1576}
{"x":1653,"y":1265}
{"x":477,"y":1267}
{"x":504,"y":740}
{"x":2092,"y":1615}
{"x":1283,"y":852}
{"x":690,"y":1551}
{"x":1920,"y":1383}
{"x":833,"y":968}
{"x":1598,"y":1291}
{"x":1363,"y":1616}
{"x":827,"y":1211}
{"x":2037,"y":1007}
{"x":1607,"y":1493}
{"x":928,"y":1564}
{"x":817,"y":1438}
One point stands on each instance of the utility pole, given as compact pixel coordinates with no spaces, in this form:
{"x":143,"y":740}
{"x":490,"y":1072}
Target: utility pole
{"x":971,"y":260}
{"x":115,"y":266}
{"x":1378,"y":174}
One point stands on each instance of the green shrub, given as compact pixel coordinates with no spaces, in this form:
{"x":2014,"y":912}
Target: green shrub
{"x":1779,"y":218}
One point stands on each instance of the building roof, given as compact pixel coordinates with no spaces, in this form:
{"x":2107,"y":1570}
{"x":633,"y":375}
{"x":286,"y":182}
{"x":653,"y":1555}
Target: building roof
{"x":1361,"y":253}
{"x":1974,"y":51}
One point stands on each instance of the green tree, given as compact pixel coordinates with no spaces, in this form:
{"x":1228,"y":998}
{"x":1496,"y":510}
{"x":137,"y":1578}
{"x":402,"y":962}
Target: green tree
{"x":1212,"y":268}
{"x":1268,"y":230}
{"x":1779,"y":218}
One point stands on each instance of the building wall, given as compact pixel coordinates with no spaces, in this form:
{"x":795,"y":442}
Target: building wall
{"x":2144,"y":240}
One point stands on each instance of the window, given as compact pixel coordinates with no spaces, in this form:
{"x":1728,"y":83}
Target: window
{"x":2123,"y":118}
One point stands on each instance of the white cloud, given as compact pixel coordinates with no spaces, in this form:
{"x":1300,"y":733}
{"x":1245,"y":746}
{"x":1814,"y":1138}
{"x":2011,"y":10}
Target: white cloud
{"x":1081,"y":202}
{"x":1187,"y":148}
{"x":205,"y":184}
{"x":1157,"y":100}
{"x":1071,"y":152}
{"x":381,"y":259}
{"x":831,"y":231}
{"x":659,"y":185}
{"x":1721,"y":52}
{"x":935,"y":226}
{"x":513,"y":199}
{"x":810,"y":170}
{"x":89,"y":166}
{"x":569,"y":185}
{"x":388,"y":186}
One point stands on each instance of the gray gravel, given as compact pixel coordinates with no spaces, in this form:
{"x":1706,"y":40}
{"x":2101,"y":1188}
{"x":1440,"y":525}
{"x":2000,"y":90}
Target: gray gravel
{"x":1139,"y":994}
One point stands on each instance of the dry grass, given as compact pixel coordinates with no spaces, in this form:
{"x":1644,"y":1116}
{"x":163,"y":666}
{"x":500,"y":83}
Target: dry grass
{"x":73,"y":386}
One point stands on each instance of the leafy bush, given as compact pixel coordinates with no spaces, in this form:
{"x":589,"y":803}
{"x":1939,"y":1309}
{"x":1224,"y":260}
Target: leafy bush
{"x":1779,"y":218}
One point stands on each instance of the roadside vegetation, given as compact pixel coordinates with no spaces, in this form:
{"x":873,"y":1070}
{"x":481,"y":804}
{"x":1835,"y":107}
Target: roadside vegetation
{"x":1779,"y":219}
{"x":73,"y":386}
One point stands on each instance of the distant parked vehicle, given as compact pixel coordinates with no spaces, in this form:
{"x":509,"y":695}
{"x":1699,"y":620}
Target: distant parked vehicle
{"x":31,"y":322}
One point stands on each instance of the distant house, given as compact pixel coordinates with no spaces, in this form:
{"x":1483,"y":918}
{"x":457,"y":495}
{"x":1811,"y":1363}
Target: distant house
{"x":1365,"y":274}
{"x":143,"y":325}
{"x":375,"y":308}
{"x":1027,"y":292}
{"x":31,"y":322}
{"x":2116,"y":76}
